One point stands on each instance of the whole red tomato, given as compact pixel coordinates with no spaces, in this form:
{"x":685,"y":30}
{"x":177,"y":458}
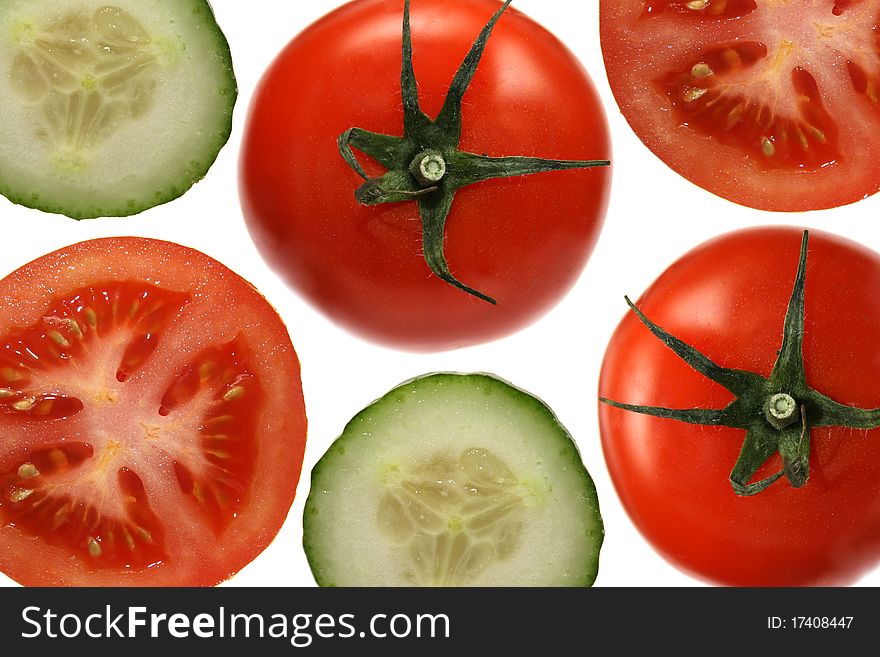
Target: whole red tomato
{"x":521,"y":241}
{"x":728,"y":299}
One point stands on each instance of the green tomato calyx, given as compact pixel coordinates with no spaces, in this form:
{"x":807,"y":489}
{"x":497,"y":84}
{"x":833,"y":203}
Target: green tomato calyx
{"x":425,"y":164}
{"x":777,"y":412}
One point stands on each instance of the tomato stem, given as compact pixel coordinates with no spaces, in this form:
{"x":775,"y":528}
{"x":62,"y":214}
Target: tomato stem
{"x":777,"y":412}
{"x":425,"y":164}
{"x":428,"y":167}
{"x":781,"y":410}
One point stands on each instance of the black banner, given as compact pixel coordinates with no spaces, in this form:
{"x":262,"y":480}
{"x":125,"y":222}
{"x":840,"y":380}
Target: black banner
{"x":279,"y":621}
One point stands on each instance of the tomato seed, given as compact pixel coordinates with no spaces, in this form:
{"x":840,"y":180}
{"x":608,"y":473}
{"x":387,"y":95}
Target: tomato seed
{"x":20,"y":494}
{"x":233,"y":393}
{"x":693,"y":93}
{"x":58,"y":458}
{"x":205,"y":370}
{"x":59,"y":339}
{"x":731,"y":57}
{"x":701,"y":70}
{"x":11,"y":374}
{"x":28,"y":471}
{"x":219,"y":419}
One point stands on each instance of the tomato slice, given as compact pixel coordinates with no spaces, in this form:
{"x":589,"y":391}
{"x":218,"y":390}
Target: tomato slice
{"x":152,"y":418}
{"x":772,"y":105}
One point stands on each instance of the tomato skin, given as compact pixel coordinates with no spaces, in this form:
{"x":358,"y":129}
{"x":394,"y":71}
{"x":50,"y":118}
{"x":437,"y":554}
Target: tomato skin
{"x":522,"y":241}
{"x":640,"y":50}
{"x":223,"y":308}
{"x":728,"y":299}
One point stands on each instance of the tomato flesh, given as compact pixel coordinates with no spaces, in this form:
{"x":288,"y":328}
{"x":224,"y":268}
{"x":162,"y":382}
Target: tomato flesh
{"x":232,"y":397}
{"x":135,"y":418}
{"x":702,"y":101}
{"x":132,"y":540}
{"x":213,"y":463}
{"x":771,"y":105}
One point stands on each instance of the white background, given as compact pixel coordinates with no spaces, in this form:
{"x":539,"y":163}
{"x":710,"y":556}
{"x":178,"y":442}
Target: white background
{"x":653,"y":218}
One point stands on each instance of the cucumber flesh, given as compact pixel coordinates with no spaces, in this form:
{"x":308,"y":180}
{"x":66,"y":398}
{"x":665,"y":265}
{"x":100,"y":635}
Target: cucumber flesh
{"x":110,"y":107}
{"x":453,"y":480}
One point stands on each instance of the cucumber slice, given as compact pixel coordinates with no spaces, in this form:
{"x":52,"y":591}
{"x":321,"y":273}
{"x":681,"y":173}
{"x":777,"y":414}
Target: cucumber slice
{"x":453,"y":480}
{"x":110,"y":107}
